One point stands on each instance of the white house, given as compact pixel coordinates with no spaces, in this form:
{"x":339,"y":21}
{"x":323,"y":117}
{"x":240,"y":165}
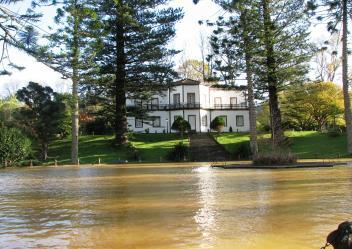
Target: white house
{"x":196,"y":102}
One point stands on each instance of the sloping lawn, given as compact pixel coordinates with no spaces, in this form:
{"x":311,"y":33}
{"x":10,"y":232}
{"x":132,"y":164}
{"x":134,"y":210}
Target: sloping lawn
{"x":305,"y":144}
{"x":150,"y":147}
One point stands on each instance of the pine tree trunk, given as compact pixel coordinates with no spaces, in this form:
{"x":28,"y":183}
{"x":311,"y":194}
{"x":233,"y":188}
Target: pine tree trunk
{"x":75,"y":114}
{"x":120,"y":80}
{"x":277,"y":134}
{"x":250,"y":88}
{"x":346,"y":96}
{"x":45,"y":147}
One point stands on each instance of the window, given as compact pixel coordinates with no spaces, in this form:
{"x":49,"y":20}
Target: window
{"x":225,"y":120}
{"x":191,"y":98}
{"x":156,"y":122}
{"x":138,"y":103}
{"x":205,"y":120}
{"x":239,"y":120}
{"x":233,"y":102}
{"x":177,"y":99}
{"x":138,"y":123}
{"x":217,"y":102}
{"x":155,"y":103}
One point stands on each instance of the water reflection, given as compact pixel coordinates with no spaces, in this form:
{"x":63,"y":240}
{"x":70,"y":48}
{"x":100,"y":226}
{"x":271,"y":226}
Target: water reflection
{"x":171,"y":207}
{"x":205,"y":216}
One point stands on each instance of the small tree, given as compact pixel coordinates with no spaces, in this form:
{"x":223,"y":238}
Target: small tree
{"x":217,"y":124}
{"x":181,"y":126}
{"x":14,"y":146}
{"x":42,"y":115}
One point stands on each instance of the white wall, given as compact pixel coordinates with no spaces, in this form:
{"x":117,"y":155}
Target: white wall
{"x":231,"y":119}
{"x":225,"y":96}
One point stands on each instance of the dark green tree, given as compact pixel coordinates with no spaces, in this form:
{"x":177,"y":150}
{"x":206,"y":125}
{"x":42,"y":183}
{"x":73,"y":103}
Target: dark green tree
{"x":285,"y":52}
{"x":42,"y":114}
{"x":336,"y":12}
{"x":14,"y":145}
{"x":237,"y":36}
{"x":133,"y":54}
{"x":181,"y":126}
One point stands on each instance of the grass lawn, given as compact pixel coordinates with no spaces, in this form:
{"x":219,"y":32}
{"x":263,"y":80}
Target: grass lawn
{"x":150,"y":147}
{"x":305,"y":144}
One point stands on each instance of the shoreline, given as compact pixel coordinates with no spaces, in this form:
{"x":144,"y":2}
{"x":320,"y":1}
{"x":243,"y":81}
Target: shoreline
{"x":305,"y":163}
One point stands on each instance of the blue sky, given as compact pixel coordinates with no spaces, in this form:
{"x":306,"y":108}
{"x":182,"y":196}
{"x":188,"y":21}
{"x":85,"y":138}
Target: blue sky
{"x":187,"y":39}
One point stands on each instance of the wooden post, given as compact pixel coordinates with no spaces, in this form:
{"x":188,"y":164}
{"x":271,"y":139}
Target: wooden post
{"x":99,"y":161}
{"x":55,"y":162}
{"x":78,"y":161}
{"x":31,"y":163}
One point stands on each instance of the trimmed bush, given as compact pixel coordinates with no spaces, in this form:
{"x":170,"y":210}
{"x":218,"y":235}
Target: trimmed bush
{"x":180,"y":152}
{"x":217,"y":124}
{"x":14,"y":146}
{"x":181,"y":125}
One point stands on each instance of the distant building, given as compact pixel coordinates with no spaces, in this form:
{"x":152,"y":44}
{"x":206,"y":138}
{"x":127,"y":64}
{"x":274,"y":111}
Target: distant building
{"x":196,"y":102}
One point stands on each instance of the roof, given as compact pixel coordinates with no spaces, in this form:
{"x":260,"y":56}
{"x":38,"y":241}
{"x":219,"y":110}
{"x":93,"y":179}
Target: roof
{"x":186,"y":82}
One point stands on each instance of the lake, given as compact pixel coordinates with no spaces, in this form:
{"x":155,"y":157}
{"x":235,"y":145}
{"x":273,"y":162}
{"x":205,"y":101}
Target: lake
{"x":171,"y":206}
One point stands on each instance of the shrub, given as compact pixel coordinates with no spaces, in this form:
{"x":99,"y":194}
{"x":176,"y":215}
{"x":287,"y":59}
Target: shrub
{"x":98,"y":126}
{"x":179,"y":153}
{"x":275,"y":158}
{"x":181,"y":125}
{"x":14,"y":146}
{"x":217,"y":124}
{"x":334,"y":131}
{"x":243,"y":151}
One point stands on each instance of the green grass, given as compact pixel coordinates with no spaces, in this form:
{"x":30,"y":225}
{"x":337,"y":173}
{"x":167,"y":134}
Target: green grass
{"x":305,"y":144}
{"x":150,"y":147}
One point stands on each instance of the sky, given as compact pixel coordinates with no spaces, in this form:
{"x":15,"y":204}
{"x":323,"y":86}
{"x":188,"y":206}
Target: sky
{"x":187,"y":39}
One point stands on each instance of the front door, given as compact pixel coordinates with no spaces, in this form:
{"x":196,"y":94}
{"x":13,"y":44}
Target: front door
{"x":192,"y":122}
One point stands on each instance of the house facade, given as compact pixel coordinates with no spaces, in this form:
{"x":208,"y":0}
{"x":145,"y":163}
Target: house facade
{"x":196,"y":102}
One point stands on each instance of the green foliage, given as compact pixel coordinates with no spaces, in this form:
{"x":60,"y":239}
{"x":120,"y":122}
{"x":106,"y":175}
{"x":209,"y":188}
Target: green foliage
{"x":132,"y":54}
{"x":180,"y":152}
{"x":181,"y":125}
{"x":8,"y":107}
{"x":42,"y":114}
{"x":65,"y":125}
{"x":243,"y":151}
{"x":217,"y":124}
{"x":14,"y":146}
{"x":313,"y":106}
{"x":193,"y":69}
{"x":97,"y":126}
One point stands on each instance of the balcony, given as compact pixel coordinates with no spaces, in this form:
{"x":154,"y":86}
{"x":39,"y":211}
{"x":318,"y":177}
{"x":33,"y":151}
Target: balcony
{"x":182,"y":106}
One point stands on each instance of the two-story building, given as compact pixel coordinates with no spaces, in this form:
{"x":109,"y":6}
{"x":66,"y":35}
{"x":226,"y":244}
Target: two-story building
{"x":198,"y":103}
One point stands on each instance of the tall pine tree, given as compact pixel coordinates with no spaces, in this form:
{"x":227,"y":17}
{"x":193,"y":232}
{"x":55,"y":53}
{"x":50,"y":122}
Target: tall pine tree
{"x":237,"y":36}
{"x":284,"y":41}
{"x":336,"y":12}
{"x":68,"y":52}
{"x":134,"y":57}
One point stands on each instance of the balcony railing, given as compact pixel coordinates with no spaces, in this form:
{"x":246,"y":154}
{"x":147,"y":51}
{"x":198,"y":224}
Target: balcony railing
{"x":180,"y":106}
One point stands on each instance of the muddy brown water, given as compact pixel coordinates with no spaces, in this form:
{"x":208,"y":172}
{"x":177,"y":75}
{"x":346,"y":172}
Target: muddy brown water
{"x":171,"y":207}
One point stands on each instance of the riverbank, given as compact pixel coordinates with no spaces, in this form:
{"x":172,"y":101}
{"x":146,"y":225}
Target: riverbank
{"x":153,"y":148}
{"x":304,"y":144}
